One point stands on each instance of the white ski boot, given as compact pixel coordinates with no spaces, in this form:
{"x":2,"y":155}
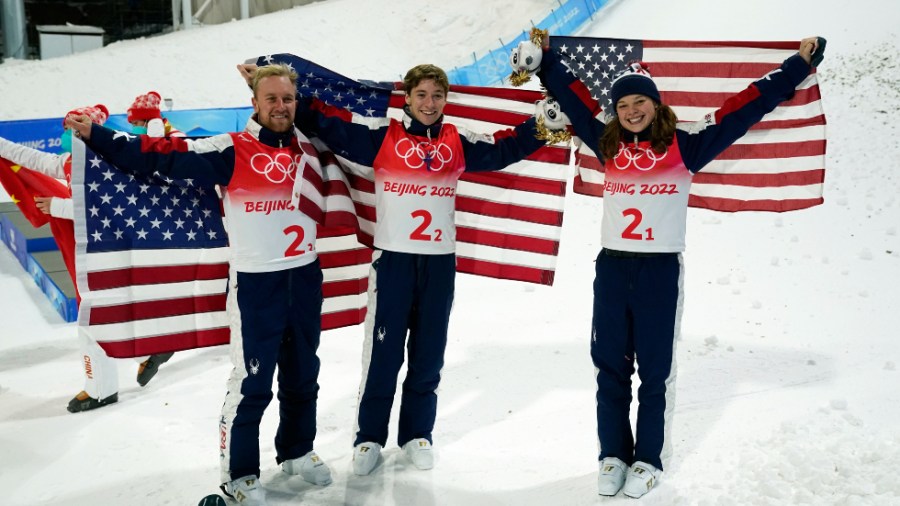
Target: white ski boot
{"x":311,"y":467}
{"x":641,"y":479}
{"x":247,"y":491}
{"x":420,"y":453}
{"x":612,"y":476}
{"x":365,"y":458}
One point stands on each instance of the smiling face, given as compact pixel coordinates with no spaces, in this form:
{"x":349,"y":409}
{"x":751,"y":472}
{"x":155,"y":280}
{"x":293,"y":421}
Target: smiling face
{"x":275,"y":103}
{"x":426,"y":101}
{"x":635,"y":112}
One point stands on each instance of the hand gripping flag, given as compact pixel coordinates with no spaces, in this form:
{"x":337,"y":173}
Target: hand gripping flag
{"x":152,"y":262}
{"x":508,"y":222}
{"x":779,"y":165}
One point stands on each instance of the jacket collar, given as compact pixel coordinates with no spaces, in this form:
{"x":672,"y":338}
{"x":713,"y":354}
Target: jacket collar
{"x":269,"y":137}
{"x":416,"y":127}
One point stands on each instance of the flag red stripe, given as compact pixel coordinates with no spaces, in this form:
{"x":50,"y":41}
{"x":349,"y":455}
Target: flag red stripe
{"x":511,"y":211}
{"x":514,"y":94}
{"x":799,"y":178}
{"x":344,"y":318}
{"x":344,"y":258}
{"x":550,"y":154}
{"x":504,"y":271}
{"x":724,"y":45}
{"x":105,"y":280}
{"x":345,"y":287}
{"x":715,"y":99}
{"x":365,"y":211}
{"x":750,"y":71}
{"x":516,"y":182}
{"x":786,"y":124}
{"x":589,"y":189}
{"x":507,"y":241}
{"x":734,"y":205}
{"x":169,"y":342}
{"x":773,"y":150}
{"x":496,"y":116}
{"x":102,"y":315}
{"x":361,"y":184}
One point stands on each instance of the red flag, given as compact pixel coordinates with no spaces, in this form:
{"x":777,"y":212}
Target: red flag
{"x":23,"y":185}
{"x":779,"y":165}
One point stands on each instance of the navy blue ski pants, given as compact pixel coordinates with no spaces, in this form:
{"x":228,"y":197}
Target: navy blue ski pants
{"x":275,"y":322}
{"x":413,"y":295}
{"x":637,"y":308}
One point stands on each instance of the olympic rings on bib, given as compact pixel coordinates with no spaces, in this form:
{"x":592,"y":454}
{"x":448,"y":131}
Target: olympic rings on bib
{"x":642,"y":159}
{"x":434,"y":156}
{"x":278,"y":169}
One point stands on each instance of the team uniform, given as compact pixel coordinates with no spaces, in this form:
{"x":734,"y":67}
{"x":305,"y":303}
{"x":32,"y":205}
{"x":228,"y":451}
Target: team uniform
{"x":638,"y":289}
{"x":412,"y":277}
{"x":273,"y":201}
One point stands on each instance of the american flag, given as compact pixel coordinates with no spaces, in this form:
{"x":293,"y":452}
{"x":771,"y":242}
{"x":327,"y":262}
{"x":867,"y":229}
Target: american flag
{"x":508,"y":222}
{"x":779,"y":165}
{"x":152,"y":262}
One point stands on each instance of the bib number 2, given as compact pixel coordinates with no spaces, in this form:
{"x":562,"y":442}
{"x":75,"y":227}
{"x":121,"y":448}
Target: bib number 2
{"x":636,"y":218}
{"x":420,"y":234}
{"x":297,"y":248}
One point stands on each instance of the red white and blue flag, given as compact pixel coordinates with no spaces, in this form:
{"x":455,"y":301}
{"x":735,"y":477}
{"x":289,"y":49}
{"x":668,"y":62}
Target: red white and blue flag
{"x":779,"y":165}
{"x":508,"y":223}
{"x":152,"y":262}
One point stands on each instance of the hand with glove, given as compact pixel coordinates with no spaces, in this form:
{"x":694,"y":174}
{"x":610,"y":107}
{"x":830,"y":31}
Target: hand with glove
{"x":551,"y":121}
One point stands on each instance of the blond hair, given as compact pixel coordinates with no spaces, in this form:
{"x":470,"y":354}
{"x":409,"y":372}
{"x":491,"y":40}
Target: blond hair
{"x":274,"y":70}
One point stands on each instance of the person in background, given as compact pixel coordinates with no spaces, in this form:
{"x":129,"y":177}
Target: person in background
{"x":101,"y":376}
{"x":638,"y":288}
{"x":146,"y":119}
{"x":275,"y":280}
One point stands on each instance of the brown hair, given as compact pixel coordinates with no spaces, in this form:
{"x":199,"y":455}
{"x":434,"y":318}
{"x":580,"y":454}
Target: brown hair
{"x":662,"y":132}
{"x":277,"y":70}
{"x":423,"y":72}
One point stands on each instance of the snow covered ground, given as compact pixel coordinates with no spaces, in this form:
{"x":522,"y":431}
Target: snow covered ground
{"x":788,"y":365}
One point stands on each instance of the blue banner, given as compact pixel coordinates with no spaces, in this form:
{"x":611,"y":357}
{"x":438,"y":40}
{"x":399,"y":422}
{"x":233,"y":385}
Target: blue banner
{"x":43,"y":134}
{"x":492,"y":68}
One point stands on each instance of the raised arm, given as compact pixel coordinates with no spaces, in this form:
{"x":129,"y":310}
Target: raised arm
{"x":700,"y":142}
{"x":45,"y":163}
{"x":207,"y":162}
{"x":574,"y":98}
{"x":486,"y":152}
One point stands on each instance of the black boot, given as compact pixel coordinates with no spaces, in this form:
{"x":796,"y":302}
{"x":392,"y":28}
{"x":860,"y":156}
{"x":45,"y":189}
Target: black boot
{"x":148,"y":368}
{"x":84,"y":402}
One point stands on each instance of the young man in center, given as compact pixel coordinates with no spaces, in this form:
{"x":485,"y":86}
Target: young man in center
{"x":417,"y":162}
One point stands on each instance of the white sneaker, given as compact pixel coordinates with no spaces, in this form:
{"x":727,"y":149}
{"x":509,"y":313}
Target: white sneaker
{"x":365,"y":458}
{"x":311,"y":467}
{"x":246,"y":491}
{"x":612,"y":476}
{"x":420,"y":453}
{"x":641,"y":478}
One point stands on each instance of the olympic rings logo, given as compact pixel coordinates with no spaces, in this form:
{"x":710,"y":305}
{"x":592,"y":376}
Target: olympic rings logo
{"x":278,"y":169}
{"x":642,"y":159}
{"x":433,"y":156}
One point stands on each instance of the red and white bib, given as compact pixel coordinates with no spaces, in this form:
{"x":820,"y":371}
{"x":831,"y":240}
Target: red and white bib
{"x":415,"y":191}
{"x":645,"y":198}
{"x":266,"y":231}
